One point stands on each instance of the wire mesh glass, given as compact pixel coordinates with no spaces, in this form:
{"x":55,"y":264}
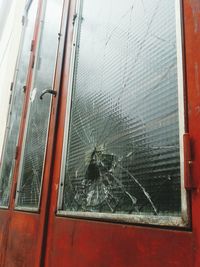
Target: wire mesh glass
{"x":29,"y":188}
{"x":123,"y":152}
{"x":12,"y":132}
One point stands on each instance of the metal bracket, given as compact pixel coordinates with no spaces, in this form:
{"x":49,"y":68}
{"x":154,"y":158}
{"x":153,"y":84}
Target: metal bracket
{"x":33,"y":62}
{"x":59,"y":36}
{"x":16,"y":152}
{"x":74,"y":18}
{"x":15,"y":190}
{"x":188,"y":179}
{"x":23,"y":20}
{"x":32,"y":45}
{"x":11,"y":86}
{"x":11,"y":94}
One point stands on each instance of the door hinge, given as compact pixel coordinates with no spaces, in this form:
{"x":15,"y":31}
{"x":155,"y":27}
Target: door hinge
{"x":32,"y":45}
{"x":11,"y":86}
{"x":15,"y":190}
{"x":188,"y":179}
{"x":23,"y":20}
{"x":74,"y":18}
{"x":10,"y":99}
{"x":24,"y":88}
{"x":33,"y":62}
{"x":59,"y":36}
{"x":16,"y":152}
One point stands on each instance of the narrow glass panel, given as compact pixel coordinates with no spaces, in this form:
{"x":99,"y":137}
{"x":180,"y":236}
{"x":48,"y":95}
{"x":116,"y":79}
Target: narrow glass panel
{"x":29,"y":188}
{"x":122,"y":154}
{"x":8,"y":158}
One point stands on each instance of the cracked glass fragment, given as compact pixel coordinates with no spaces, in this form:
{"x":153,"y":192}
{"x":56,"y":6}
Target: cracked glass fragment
{"x":122,"y":151}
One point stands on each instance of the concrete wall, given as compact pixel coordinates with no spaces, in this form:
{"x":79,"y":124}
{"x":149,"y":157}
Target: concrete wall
{"x":11,"y":12}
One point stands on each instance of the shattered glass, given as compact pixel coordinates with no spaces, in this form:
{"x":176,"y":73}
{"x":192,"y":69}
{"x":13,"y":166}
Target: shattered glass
{"x":12,"y":131}
{"x":28,"y":192}
{"x":122,"y":152}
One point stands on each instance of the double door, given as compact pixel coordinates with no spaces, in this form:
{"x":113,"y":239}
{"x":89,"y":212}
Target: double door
{"x":100,"y":174}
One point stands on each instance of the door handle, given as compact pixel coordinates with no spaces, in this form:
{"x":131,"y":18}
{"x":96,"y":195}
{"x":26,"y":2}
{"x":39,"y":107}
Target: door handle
{"x":47,"y":91}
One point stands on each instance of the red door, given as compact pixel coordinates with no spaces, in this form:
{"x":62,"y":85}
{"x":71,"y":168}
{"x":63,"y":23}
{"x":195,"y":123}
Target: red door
{"x":122,"y":176}
{"x":24,"y":207}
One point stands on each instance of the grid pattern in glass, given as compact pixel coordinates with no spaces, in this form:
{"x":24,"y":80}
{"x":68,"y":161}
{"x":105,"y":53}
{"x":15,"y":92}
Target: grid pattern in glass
{"x":29,"y":188}
{"x":8,"y":158}
{"x":123,"y":152}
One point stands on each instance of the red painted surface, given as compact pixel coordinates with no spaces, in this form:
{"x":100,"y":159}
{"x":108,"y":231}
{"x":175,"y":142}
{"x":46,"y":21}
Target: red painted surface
{"x":22,"y":240}
{"x":47,"y":240}
{"x":74,"y":243}
{"x":83,"y":243}
{"x":192,"y":44}
{"x":4,"y":232}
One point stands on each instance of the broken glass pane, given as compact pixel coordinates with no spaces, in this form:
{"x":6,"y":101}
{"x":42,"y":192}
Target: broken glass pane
{"x":123,"y":143}
{"x":28,"y":192}
{"x":8,"y":158}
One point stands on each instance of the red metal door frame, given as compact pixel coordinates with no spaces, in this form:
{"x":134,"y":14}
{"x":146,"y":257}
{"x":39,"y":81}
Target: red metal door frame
{"x":192,"y":55}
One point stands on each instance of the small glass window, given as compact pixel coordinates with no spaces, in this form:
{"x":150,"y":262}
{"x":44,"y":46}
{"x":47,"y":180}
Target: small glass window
{"x":122,"y":155}
{"x":8,"y":157}
{"x":34,"y":145}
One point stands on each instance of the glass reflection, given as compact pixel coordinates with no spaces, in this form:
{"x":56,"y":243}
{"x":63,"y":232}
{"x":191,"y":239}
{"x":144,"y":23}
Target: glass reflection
{"x":29,"y":189}
{"x":123,"y":146}
{"x":8,"y":158}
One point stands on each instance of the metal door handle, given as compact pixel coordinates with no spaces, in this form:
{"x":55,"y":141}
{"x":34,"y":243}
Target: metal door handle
{"x":48,"y":91}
